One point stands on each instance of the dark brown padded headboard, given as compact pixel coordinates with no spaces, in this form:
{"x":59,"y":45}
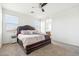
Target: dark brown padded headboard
{"x":25,"y":27}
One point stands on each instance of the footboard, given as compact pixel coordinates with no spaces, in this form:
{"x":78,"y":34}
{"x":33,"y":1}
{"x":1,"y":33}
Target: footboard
{"x":36,"y":46}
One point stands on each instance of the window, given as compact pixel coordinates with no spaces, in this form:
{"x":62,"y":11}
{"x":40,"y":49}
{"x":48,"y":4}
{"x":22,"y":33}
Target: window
{"x":36,"y":24}
{"x":11,"y":22}
{"x":46,"y":25}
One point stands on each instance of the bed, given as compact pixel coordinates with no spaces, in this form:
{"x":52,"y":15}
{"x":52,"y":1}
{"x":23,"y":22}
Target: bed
{"x":28,"y":48}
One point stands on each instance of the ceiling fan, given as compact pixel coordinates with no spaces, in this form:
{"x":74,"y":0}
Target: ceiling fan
{"x":42,"y":5}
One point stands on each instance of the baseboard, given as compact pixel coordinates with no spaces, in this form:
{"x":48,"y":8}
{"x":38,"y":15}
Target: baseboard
{"x":58,"y":42}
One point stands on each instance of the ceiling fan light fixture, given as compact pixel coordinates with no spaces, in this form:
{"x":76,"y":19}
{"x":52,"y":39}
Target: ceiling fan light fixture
{"x":32,"y":11}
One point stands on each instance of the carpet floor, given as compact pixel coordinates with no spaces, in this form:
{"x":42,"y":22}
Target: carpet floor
{"x":49,"y":50}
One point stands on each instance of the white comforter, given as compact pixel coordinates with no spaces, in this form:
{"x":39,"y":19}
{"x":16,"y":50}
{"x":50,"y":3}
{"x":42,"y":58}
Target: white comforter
{"x":30,"y":39}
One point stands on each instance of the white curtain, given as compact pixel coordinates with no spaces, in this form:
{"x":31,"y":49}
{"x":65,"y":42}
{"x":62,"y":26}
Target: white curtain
{"x":0,"y":25}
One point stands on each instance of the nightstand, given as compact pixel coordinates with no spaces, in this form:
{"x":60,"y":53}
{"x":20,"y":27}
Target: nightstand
{"x":13,"y":38}
{"x":48,"y":33}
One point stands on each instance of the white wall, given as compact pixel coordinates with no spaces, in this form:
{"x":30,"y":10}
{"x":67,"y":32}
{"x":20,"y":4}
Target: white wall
{"x":24,"y":19}
{"x":65,"y":26}
{"x":0,"y":25}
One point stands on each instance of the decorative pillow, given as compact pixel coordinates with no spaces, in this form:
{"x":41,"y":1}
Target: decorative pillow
{"x":38,"y":32}
{"x":26,"y":32}
{"x":35,"y":32}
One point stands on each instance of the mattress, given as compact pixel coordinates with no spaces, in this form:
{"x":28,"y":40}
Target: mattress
{"x":30,"y":39}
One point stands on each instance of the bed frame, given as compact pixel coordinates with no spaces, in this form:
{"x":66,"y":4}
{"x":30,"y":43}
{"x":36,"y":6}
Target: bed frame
{"x":35,"y":46}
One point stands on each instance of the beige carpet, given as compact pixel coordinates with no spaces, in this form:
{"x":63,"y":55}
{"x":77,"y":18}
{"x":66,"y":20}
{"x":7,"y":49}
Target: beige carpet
{"x":49,"y":50}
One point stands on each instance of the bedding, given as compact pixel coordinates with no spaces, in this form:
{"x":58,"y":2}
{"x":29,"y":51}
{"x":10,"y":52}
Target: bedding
{"x":30,"y":39}
{"x":33,"y":40}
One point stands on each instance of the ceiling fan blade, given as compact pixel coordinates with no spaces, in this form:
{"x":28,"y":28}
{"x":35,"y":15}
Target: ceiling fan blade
{"x":43,"y":10}
{"x":43,"y":4}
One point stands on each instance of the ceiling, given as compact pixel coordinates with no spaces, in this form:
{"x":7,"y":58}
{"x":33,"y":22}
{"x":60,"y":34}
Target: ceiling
{"x":34,"y":9}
